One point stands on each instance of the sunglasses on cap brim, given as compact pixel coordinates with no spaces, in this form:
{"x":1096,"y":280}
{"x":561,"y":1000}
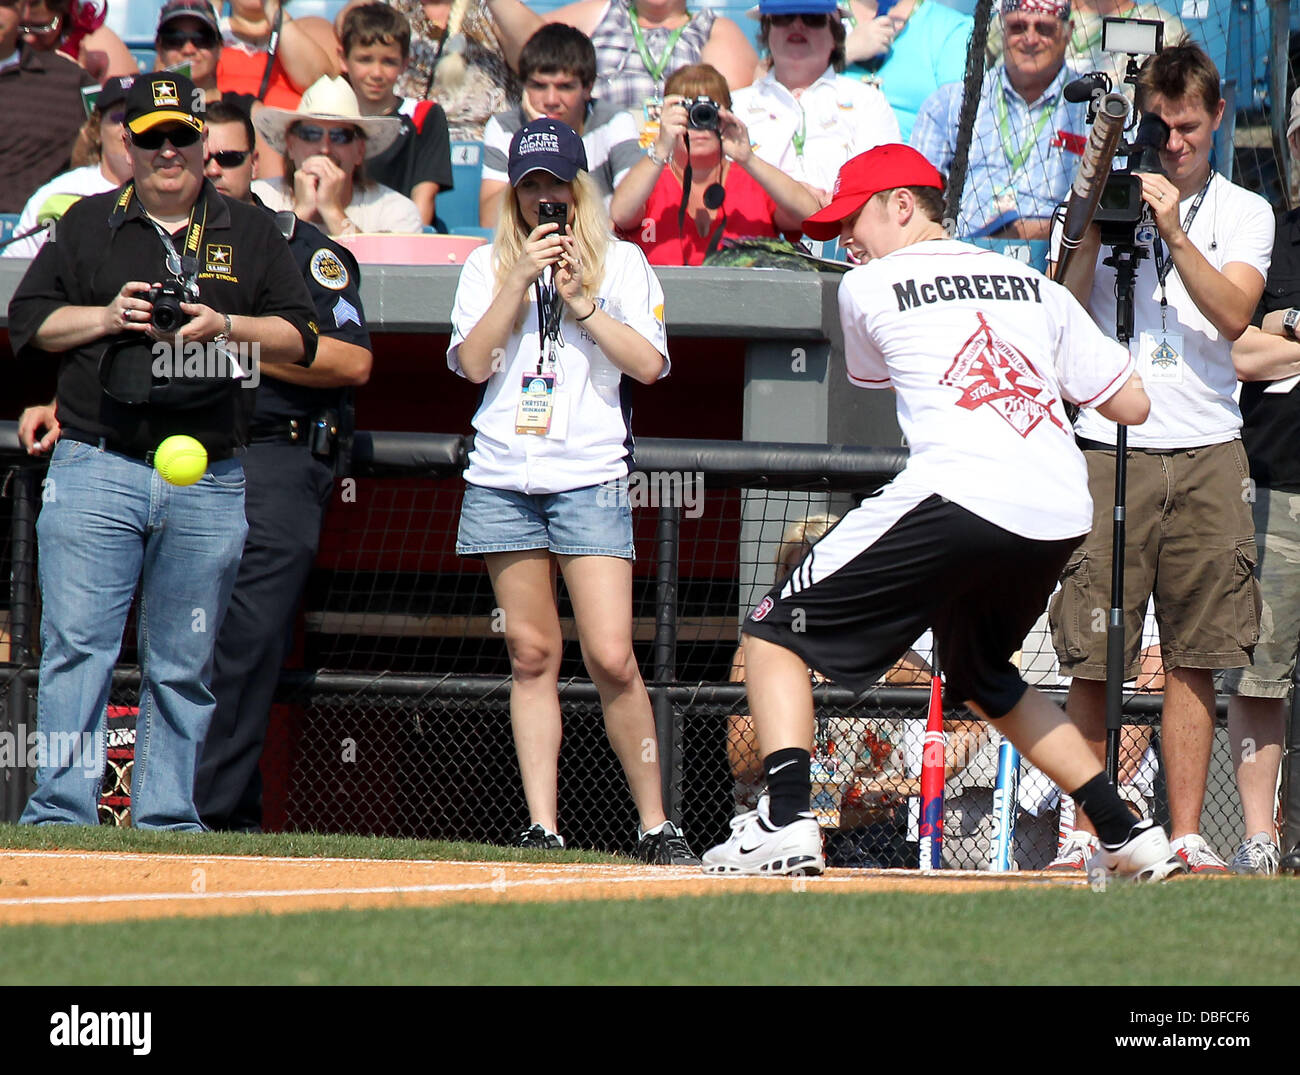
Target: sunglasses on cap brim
{"x":179,"y":135}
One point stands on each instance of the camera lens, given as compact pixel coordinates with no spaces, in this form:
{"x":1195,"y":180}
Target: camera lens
{"x":703,"y":115}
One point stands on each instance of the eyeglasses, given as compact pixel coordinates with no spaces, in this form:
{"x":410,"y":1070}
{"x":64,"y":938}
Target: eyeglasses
{"x":178,"y":39}
{"x":177,"y":134}
{"x":813,"y":22}
{"x":37,"y":28}
{"x":1042,"y":27}
{"x":227,"y":158}
{"x":339,"y":136}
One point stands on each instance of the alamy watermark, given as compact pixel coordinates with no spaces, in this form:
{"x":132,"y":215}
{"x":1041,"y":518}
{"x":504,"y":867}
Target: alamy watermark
{"x":50,"y":750}
{"x":656,"y":489}
{"x":177,"y":359}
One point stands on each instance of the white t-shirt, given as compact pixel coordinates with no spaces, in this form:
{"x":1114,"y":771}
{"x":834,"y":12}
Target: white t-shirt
{"x":838,"y":117}
{"x":84,"y":181}
{"x":590,"y":439}
{"x":375,"y":208}
{"x":980,"y":349}
{"x":1191,"y":398}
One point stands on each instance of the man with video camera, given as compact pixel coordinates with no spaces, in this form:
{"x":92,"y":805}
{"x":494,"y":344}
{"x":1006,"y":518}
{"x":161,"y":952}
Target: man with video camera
{"x":107,"y":520}
{"x":1189,"y":534}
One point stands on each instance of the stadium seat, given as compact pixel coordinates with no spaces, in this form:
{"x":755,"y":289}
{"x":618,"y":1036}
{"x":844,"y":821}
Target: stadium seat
{"x":419,"y":249}
{"x":458,"y":207}
{"x":1030,"y":251}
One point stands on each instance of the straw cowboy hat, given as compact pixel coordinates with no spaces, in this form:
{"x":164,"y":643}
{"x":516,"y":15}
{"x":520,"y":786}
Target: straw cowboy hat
{"x":328,"y":99}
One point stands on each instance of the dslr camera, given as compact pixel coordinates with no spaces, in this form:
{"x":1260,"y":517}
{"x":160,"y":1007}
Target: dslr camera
{"x":702,"y":114}
{"x":167,"y":313}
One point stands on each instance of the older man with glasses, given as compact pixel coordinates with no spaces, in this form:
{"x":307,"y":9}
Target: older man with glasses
{"x":1027,"y":140}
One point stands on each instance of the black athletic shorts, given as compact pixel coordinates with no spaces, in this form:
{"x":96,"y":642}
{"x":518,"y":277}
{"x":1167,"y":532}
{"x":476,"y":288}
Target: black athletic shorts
{"x":902,"y":561}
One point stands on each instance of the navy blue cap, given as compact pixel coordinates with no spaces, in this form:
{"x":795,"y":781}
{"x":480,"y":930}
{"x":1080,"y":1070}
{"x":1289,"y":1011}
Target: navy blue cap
{"x":793,"y":7}
{"x":548,"y":144}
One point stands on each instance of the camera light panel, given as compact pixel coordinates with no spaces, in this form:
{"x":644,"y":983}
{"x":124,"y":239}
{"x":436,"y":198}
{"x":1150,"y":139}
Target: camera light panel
{"x":1139,"y":37}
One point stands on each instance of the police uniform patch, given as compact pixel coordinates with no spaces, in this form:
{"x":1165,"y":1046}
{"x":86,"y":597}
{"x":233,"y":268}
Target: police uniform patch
{"x":219,"y":258}
{"x":328,"y":271}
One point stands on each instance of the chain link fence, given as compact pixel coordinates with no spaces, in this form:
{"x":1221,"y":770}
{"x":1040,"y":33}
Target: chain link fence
{"x":398,"y":722}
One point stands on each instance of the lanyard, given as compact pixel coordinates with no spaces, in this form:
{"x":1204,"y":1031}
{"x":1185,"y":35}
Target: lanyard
{"x":185,"y":268}
{"x":1163,"y":267}
{"x":1016,"y":159}
{"x":653,"y":66}
{"x":801,"y":135}
{"x":549,"y":312}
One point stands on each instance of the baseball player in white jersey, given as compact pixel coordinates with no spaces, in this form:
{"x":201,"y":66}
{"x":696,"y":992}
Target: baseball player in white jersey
{"x":970,"y":538}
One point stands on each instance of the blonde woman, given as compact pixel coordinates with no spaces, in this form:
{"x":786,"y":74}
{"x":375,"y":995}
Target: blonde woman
{"x":556,"y":320}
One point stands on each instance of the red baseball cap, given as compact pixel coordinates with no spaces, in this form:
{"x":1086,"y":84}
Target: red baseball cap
{"x":867,"y":174}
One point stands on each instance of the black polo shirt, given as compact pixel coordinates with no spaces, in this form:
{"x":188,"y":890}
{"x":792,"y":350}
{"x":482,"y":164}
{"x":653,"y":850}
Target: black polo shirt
{"x":1271,"y":429}
{"x":334,"y":282}
{"x":245,"y":267}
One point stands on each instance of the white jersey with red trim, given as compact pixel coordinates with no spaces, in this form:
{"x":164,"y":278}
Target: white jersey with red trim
{"x":982,"y":350}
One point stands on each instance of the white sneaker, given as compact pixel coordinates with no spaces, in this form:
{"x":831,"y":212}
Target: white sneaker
{"x":1074,"y":853}
{"x":758,"y":847}
{"x":1198,"y":855}
{"x":1144,"y":856}
{"x":1259,"y":854}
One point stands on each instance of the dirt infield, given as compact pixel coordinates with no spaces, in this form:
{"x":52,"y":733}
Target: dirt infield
{"x":58,"y":887}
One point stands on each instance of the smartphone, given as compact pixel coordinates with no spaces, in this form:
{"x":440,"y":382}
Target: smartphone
{"x":552,"y":212}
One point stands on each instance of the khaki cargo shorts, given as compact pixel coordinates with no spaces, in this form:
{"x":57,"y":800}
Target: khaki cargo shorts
{"x":1190,"y":542}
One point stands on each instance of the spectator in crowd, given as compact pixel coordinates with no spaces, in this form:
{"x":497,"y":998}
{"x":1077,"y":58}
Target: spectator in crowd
{"x":1194,"y":295}
{"x":327,"y":141}
{"x":547,"y":476}
{"x":461,"y":57}
{"x":111,"y":168}
{"x":75,"y":29}
{"x":909,"y":49}
{"x":34,"y":84}
{"x":802,"y":115}
{"x":188,"y":33}
{"x":558,"y":70}
{"x":376,"y":43}
{"x":268,"y":54}
{"x":1267,"y":358}
{"x":698,"y":185}
{"x":112,"y":524}
{"x":1027,"y":140}
{"x":1084,"y":52}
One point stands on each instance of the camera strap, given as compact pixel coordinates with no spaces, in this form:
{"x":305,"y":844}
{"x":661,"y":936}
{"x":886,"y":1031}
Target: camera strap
{"x":184,"y":268}
{"x":550,"y":309}
{"x":655,"y":68}
{"x":1163,"y":266}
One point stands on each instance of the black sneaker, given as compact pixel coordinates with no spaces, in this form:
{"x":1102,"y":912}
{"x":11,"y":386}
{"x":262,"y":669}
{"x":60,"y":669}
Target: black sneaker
{"x":1290,"y":861}
{"x":667,"y":847}
{"x":540,"y":838}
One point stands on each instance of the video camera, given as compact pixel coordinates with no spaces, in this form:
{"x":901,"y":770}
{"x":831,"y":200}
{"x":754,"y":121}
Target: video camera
{"x":1122,"y":216}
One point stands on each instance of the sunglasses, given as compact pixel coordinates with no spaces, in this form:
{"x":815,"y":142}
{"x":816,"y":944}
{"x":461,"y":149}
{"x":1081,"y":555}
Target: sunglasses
{"x":813,"y":22}
{"x":339,"y":136}
{"x":227,"y":158}
{"x":177,"y":134}
{"x":178,"y":39}
{"x":37,"y":28}
{"x":1042,"y":27}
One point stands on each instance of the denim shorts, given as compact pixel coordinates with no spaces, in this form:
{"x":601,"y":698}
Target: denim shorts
{"x":595,"y":520}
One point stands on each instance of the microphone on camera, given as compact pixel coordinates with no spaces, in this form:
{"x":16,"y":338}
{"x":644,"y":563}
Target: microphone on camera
{"x":1086,"y":87}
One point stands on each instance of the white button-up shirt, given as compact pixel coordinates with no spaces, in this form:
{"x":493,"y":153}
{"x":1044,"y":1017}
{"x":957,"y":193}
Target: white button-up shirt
{"x":836,"y":118}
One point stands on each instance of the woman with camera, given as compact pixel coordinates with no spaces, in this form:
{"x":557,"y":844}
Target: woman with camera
{"x":685,"y":197}
{"x":555,"y":319}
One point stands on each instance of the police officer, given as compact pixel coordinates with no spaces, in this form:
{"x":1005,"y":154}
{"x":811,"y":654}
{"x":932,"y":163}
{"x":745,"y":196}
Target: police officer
{"x":108,"y":520}
{"x":295,"y":431}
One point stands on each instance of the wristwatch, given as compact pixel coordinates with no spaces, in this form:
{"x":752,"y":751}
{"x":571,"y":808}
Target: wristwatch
{"x":223,"y":337}
{"x":1289,"y":322}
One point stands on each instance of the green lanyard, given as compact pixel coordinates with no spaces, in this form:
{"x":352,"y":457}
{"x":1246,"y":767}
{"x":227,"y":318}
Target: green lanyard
{"x":1016,"y":162}
{"x":653,"y":66}
{"x":801,"y":135}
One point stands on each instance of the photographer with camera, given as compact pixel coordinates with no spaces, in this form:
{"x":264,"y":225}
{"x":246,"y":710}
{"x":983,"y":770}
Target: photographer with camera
{"x":108,"y":521}
{"x":556,"y":319}
{"x":685,"y":196}
{"x":1190,"y":540}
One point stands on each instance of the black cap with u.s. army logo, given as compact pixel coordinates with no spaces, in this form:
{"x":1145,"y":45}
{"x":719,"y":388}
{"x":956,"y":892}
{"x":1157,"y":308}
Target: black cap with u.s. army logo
{"x":163,"y":97}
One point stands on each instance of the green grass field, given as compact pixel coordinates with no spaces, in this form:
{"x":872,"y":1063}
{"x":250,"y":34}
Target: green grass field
{"x":1215,"y":931}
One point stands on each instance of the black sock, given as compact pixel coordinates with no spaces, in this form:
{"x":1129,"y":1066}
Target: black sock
{"x":1110,"y":815}
{"x":789,"y":783}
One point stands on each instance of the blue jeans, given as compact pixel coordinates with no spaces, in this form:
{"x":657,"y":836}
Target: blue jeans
{"x":107,"y":521}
